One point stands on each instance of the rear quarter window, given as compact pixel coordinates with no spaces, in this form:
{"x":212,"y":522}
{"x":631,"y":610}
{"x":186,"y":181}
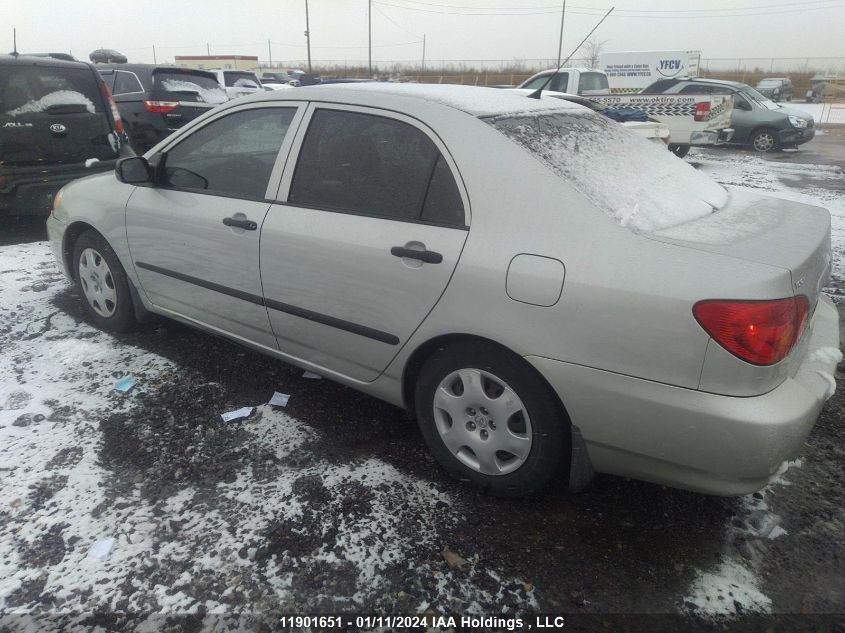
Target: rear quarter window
{"x":30,"y":90}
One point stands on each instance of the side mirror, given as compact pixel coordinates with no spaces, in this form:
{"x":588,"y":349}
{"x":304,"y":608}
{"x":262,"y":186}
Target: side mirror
{"x":134,"y":170}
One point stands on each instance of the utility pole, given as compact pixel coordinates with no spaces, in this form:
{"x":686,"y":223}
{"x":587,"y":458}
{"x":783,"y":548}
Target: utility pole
{"x":269,"y":53}
{"x":207,"y":49}
{"x":370,"y":35}
{"x":154,"y":54}
{"x":423,"y":59}
{"x":308,"y":36}
{"x":560,"y":41}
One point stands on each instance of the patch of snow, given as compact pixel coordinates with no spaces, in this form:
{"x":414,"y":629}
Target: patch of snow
{"x":731,"y":589}
{"x":91,"y":161}
{"x":245,"y":83}
{"x":57,"y":98}
{"x":209,"y":95}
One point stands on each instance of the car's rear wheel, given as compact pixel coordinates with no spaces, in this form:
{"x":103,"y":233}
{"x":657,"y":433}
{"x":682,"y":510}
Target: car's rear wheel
{"x":679,"y":150}
{"x":490,"y":419}
{"x":102,"y":282}
{"x":764,"y":140}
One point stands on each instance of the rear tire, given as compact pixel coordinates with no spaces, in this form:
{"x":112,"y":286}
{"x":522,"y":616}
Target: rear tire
{"x":102,"y":282}
{"x":765,"y":140}
{"x":490,"y":419}
{"x":679,"y":150}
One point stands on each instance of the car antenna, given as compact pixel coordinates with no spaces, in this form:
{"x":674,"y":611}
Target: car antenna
{"x":539,"y":92}
{"x":15,"y":42}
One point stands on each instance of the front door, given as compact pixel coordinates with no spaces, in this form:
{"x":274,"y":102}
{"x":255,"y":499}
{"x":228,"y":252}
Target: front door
{"x":194,"y":235}
{"x":366,"y":243}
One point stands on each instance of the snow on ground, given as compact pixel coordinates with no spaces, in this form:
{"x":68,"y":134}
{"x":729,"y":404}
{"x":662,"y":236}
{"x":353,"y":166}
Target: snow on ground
{"x":207,"y":516}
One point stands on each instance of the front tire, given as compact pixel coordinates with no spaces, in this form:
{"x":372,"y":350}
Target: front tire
{"x":490,"y":419}
{"x":764,"y":140}
{"x":101,"y":280}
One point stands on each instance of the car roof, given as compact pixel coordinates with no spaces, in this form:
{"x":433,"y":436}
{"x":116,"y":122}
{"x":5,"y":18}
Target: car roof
{"x":473,"y":100}
{"x":40,"y":60}
{"x":719,"y":82}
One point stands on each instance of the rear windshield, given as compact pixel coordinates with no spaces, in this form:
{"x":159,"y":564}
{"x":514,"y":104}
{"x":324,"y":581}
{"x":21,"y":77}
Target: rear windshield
{"x":30,"y":90}
{"x":186,"y":86}
{"x":640,"y":184}
{"x":241,"y":80}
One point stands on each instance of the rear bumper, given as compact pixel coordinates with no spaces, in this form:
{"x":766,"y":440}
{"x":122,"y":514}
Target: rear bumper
{"x":690,"y":439}
{"x":30,"y":191}
{"x":795,"y":136}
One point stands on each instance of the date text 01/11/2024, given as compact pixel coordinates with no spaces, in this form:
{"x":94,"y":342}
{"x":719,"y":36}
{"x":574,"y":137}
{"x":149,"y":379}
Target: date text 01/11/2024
{"x":420,"y":622}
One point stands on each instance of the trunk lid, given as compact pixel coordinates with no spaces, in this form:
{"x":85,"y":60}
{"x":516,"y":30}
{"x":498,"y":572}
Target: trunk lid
{"x":53,"y":115}
{"x":767,"y":230}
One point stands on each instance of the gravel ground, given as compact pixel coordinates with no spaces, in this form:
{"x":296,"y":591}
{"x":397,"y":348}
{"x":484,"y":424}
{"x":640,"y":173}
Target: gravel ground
{"x":333,"y":505}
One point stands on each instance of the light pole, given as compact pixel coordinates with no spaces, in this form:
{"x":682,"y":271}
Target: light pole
{"x":308,"y":36}
{"x":560,"y":41}
{"x":370,"y":35}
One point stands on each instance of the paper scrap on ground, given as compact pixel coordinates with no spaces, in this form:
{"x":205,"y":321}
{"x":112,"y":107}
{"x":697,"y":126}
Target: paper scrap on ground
{"x":100,"y":550}
{"x":312,"y":375}
{"x":124,"y":384}
{"x":279,"y":399}
{"x":243,"y":412}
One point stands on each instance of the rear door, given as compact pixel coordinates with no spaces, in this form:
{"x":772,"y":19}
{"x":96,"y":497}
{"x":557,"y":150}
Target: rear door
{"x":194,"y":236}
{"x":53,"y":115}
{"x":366,"y":241}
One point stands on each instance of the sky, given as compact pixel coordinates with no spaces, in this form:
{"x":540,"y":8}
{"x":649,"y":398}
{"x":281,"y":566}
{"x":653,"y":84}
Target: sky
{"x":453,"y":29}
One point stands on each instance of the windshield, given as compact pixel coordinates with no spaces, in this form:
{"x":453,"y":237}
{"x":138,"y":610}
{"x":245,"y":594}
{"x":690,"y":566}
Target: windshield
{"x":762,"y":100}
{"x":769,"y":83}
{"x":642,"y":186}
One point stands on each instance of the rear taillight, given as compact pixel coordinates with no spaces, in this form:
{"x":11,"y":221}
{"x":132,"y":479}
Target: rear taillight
{"x":702,"y":111}
{"x":758,"y":332}
{"x":118,"y":122}
{"x":162,"y":107}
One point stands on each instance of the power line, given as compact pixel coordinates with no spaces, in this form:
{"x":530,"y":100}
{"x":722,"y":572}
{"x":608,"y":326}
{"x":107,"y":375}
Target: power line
{"x":555,"y":8}
{"x":397,"y":24}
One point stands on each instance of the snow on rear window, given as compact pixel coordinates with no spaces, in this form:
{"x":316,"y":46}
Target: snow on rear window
{"x":208,"y":95}
{"x":640,"y":184}
{"x":57,"y":98}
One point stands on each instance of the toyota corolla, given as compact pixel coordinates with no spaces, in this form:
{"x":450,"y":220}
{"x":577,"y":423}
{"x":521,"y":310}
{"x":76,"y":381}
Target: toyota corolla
{"x":549,"y":294}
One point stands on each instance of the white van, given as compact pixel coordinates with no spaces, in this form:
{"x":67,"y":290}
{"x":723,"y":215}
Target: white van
{"x":631,"y":72}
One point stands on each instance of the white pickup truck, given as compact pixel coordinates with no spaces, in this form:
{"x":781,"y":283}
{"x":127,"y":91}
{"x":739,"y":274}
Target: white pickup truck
{"x":692,"y":119}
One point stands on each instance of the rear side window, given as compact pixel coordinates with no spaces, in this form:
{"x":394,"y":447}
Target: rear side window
{"x":186,"y":86}
{"x":233,"y":155}
{"x":592,"y":82}
{"x":373,"y":165}
{"x":126,"y":82}
{"x":30,"y":90}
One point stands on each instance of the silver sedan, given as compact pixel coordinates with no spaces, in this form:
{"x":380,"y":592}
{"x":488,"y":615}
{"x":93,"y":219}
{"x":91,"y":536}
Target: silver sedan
{"x":549,"y":294}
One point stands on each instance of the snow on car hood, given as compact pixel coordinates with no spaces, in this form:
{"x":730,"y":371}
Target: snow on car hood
{"x":641,"y":185}
{"x":57,"y":98}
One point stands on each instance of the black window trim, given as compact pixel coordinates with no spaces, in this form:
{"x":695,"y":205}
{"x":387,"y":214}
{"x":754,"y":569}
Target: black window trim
{"x":397,"y":115}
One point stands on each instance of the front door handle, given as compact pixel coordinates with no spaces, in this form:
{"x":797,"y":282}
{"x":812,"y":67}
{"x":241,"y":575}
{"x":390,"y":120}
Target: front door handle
{"x":428,"y":257}
{"x":240,"y":223}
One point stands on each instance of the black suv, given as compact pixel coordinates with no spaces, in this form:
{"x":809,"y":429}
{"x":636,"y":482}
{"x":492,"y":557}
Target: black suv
{"x":57,"y":123}
{"x":156,"y":100}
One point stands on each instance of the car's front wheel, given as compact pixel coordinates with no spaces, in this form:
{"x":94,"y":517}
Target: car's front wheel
{"x":102,"y":282}
{"x":490,"y":419}
{"x":764,"y":140}
{"x":679,"y":150}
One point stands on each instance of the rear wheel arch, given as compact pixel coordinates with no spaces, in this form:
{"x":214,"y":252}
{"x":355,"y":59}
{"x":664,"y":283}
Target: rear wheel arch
{"x":422,"y":353}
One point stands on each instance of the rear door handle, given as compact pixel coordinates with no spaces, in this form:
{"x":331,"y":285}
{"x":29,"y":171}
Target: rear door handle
{"x":429,"y":257}
{"x":240,"y":223}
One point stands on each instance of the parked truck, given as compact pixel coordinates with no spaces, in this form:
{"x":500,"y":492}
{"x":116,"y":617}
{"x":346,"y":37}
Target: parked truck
{"x":631,"y":72}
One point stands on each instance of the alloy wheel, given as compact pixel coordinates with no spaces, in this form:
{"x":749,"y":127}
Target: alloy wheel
{"x":764,"y":142}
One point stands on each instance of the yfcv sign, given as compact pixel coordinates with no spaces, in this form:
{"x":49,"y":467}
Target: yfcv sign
{"x":669,"y":67}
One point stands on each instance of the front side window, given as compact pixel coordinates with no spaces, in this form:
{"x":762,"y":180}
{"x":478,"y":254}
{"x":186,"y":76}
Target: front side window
{"x":230,"y":156}
{"x":373,"y":165}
